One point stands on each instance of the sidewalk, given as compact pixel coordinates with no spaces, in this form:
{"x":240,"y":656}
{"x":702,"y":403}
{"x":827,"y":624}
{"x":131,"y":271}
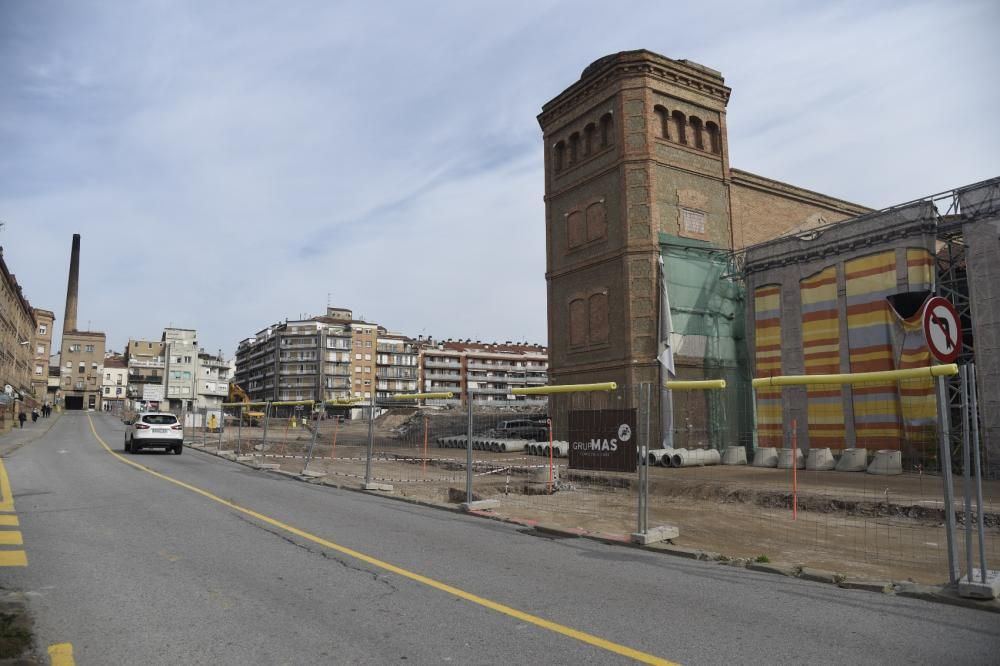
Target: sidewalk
{"x":18,"y":437}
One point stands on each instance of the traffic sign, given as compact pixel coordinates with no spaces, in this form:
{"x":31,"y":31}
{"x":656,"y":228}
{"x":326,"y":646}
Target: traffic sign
{"x":942,"y":329}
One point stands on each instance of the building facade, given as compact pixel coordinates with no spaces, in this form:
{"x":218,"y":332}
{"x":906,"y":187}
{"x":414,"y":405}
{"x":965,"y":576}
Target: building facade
{"x":488,"y":370}
{"x":41,"y":345}
{"x":146,"y":365}
{"x":81,"y":375}
{"x":17,"y":329}
{"x":396,"y":365}
{"x":212,"y":384}
{"x":181,"y":354}
{"x":114,"y":388}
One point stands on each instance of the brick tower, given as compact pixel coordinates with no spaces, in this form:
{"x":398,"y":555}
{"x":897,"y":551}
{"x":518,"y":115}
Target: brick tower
{"x":635,"y":148}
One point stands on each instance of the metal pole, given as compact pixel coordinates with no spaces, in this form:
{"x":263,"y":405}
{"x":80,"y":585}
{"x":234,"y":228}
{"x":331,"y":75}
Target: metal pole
{"x":643,"y":466}
{"x":949,"y":511}
{"x":468,"y":448}
{"x":371,"y":439}
{"x":312,"y":443}
{"x":267,"y":417}
{"x":963,"y":375}
{"x":222,"y":424}
{"x":979,"y":471}
{"x":239,"y":433}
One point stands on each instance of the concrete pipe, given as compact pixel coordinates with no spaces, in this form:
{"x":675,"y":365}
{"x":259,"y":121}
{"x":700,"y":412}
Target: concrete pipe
{"x":886,"y":462}
{"x":734,"y":455}
{"x":820,"y":459}
{"x":787,"y":456}
{"x":656,"y":456}
{"x":531,"y":449}
{"x":510,"y":445}
{"x":560,"y":449}
{"x":853,"y":460}
{"x":766,"y":456}
{"x":695,"y":457}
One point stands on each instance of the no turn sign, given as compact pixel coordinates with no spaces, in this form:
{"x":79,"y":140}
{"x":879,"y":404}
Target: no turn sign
{"x":942,"y":329}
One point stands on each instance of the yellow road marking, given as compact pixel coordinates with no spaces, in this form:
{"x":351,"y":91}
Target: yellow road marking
{"x":9,"y":521}
{"x":7,"y":503}
{"x":10,"y":538}
{"x":13,"y":558}
{"x":61,"y":654}
{"x":582,"y":636}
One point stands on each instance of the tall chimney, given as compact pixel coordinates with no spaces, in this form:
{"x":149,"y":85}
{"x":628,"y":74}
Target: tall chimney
{"x":73,"y":286}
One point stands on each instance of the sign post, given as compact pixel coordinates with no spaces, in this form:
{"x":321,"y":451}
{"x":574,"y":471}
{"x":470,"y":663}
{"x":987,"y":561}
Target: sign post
{"x":942,"y":329}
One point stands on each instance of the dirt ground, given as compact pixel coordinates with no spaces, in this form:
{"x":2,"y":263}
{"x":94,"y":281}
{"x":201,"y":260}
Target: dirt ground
{"x":853,"y":523}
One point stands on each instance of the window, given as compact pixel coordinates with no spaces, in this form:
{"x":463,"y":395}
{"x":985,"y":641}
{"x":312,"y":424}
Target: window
{"x":368,"y":357}
{"x":107,"y":390}
{"x":357,"y":357}
{"x":93,"y":366}
{"x":69,"y":365}
{"x":118,"y":391}
{"x":40,"y":349}
{"x":108,"y":376}
{"x":90,"y":349}
{"x":187,"y":359}
{"x":607,"y":124}
{"x":42,"y":329}
{"x":38,"y":369}
{"x":83,"y":368}
{"x":74,"y":348}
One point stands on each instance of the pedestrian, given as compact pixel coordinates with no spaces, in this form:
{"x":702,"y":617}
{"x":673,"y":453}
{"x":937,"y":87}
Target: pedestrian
{"x":34,"y":415}
{"x":22,"y":418}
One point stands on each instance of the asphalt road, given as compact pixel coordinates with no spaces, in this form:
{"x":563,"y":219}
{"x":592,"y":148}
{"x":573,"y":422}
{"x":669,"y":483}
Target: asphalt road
{"x":132,"y":568}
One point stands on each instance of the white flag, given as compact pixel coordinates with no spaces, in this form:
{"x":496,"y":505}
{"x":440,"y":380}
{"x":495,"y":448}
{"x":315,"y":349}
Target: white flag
{"x":666,"y":352}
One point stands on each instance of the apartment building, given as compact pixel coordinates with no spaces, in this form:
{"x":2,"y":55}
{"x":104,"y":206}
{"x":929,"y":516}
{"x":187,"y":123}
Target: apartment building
{"x":41,"y":346}
{"x":396,"y":365}
{"x":328,"y":357}
{"x":146,"y":365}
{"x":181,"y":354}
{"x":489,"y":370}
{"x":114,"y":388}
{"x":17,"y":327}
{"x":212,"y":384}
{"x":82,"y":358}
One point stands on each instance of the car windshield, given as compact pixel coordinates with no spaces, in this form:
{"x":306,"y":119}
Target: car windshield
{"x":160,"y":419}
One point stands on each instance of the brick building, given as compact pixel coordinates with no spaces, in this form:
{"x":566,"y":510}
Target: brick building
{"x":637,"y":157}
{"x":41,"y":347}
{"x":489,"y":370}
{"x":17,"y":328}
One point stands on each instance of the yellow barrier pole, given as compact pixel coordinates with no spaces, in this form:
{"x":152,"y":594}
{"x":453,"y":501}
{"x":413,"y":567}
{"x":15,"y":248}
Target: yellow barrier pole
{"x":566,"y":388}
{"x":857,"y":377}
{"x":447,"y":395}
{"x":695,"y":385}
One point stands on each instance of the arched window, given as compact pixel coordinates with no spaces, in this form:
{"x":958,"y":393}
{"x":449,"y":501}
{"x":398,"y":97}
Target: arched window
{"x":680,"y":126}
{"x":597,"y":221}
{"x":662,"y":122}
{"x":589,"y":132}
{"x":697,"y":140}
{"x":607,"y":126}
{"x":574,"y":147}
{"x":597,"y":312}
{"x":576,"y":229}
{"x":714,"y":138}
{"x":559,"y":155}
{"x":577,"y":322}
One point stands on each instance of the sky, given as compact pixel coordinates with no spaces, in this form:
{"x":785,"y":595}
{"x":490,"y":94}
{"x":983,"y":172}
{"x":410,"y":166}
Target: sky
{"x":233,"y":164}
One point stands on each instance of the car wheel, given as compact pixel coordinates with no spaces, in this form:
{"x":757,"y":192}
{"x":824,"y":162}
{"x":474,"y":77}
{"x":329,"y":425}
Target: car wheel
{"x":128,"y":447}
{"x":179,"y":449}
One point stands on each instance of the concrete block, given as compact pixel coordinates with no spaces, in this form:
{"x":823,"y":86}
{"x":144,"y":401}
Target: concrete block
{"x":820,"y":575}
{"x":880,"y":586}
{"x":680,"y":551}
{"x":820,"y":459}
{"x":853,"y":460}
{"x":769,"y":567}
{"x":312,"y":474}
{"x":887,"y":463}
{"x":655,"y":535}
{"x":481,"y":505}
{"x":734,"y":455}
{"x":765,"y":457}
{"x":785,"y":458}
{"x":385,"y":487}
{"x":978,"y":589}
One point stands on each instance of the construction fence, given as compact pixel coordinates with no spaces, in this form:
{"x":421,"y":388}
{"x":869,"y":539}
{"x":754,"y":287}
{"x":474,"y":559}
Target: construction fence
{"x":866,"y":479}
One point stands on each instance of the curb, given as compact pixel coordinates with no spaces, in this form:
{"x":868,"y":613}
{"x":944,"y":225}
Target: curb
{"x":933,"y":593}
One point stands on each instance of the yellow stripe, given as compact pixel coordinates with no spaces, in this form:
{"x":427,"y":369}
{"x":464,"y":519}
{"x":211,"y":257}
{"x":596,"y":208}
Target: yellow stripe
{"x":430,"y":582}
{"x":61,"y":654}
{"x":7,"y":503}
{"x":10,"y":538}
{"x":9,"y":521}
{"x":13,"y":558}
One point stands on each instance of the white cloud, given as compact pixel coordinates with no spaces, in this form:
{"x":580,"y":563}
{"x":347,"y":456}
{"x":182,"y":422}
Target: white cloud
{"x":242,"y":161}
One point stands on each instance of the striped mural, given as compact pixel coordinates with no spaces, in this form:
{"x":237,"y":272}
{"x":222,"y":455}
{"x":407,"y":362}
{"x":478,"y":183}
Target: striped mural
{"x":870,"y":280}
{"x":821,"y":354}
{"x":917,"y":397}
{"x":767,"y":361}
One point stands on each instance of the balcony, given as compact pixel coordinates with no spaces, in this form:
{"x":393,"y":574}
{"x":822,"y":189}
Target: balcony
{"x":443,"y":364}
{"x":449,"y":376}
{"x":491,"y":366}
{"x":136,"y":363}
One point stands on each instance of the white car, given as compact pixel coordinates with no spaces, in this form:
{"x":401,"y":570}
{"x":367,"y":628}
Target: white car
{"x":154,"y":430}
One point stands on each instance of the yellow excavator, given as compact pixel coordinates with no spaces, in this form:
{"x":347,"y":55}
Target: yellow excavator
{"x":237,"y":394}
